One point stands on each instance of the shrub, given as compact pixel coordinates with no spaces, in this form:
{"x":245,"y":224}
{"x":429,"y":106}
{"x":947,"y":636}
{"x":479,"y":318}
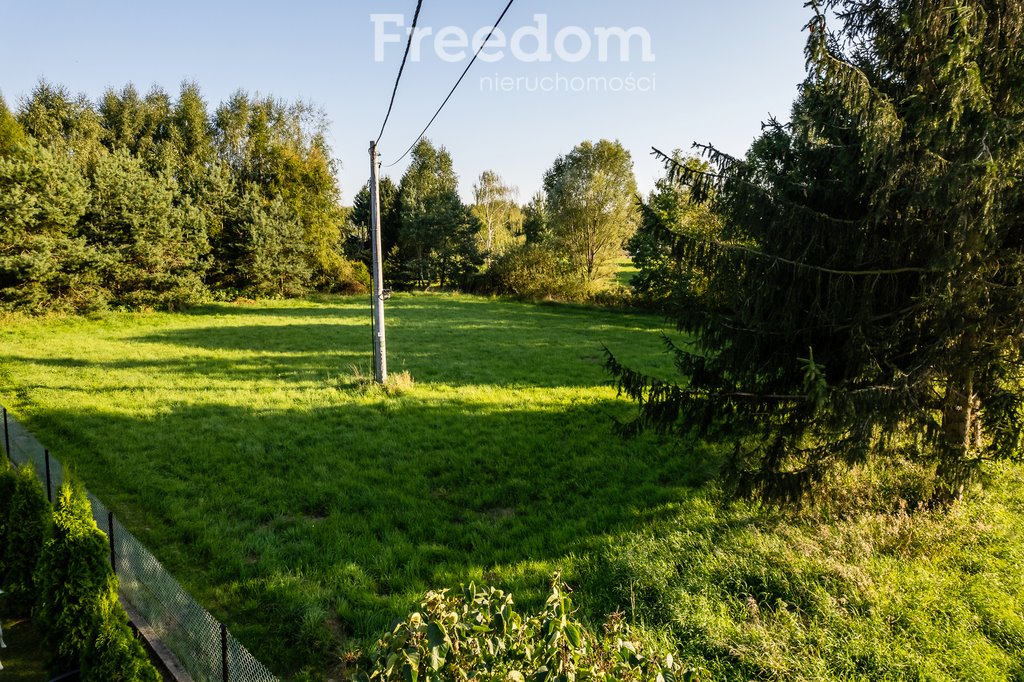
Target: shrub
{"x":613,"y":297}
{"x":480,"y":636}
{"x":74,"y":578}
{"x":7,"y":482}
{"x":28,"y":525}
{"x":113,"y":653}
{"x":535,"y":272}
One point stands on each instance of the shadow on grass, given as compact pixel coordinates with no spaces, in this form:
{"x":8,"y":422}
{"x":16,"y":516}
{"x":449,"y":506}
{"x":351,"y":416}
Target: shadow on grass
{"x":305,"y":513}
{"x":303,"y":528}
{"x":23,"y":657}
{"x":473,"y":342}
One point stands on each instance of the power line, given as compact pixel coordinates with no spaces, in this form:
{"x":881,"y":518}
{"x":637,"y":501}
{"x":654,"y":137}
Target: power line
{"x":408,"y":45}
{"x":455,"y":87}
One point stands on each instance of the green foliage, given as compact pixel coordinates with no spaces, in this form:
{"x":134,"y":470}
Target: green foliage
{"x":662,"y":279}
{"x":480,"y":635}
{"x":74,"y":580}
{"x":879,"y":232}
{"x":535,"y":219}
{"x":146,"y":201}
{"x":358,"y":239}
{"x":8,"y":482}
{"x":590,"y":203}
{"x":62,"y":122}
{"x":27,"y":528}
{"x":272,"y":256}
{"x":139,"y":126}
{"x":12,"y":135}
{"x":501,"y":220}
{"x":279,"y":153}
{"x":534,"y":272}
{"x":43,"y":262}
{"x":153,"y":248}
{"x":114,"y":653}
{"x":438,"y":232}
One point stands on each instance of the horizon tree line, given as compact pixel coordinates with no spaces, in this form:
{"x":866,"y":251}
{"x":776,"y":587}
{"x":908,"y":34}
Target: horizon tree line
{"x":139,"y":201}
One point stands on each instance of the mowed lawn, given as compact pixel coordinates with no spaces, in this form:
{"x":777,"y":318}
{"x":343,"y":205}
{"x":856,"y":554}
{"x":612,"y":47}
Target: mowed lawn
{"x":308,"y":512}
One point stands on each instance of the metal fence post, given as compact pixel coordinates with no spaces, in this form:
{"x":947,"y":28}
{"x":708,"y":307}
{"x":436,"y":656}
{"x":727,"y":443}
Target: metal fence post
{"x":49,"y":486}
{"x":110,"y":536}
{"x":224,"y":650}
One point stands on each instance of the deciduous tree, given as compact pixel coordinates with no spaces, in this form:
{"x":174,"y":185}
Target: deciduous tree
{"x":591,"y":206}
{"x":499,"y":214}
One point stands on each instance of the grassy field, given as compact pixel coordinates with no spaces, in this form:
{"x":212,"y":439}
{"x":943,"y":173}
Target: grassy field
{"x":309,"y":512}
{"x":237,"y":442}
{"x":625,"y":272}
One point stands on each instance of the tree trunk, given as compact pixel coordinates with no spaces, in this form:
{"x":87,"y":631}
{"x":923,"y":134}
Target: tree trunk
{"x":960,"y":433}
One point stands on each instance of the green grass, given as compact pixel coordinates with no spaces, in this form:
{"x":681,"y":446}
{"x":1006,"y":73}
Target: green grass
{"x":753,"y":593}
{"x":625,"y":272}
{"x":308,"y":512}
{"x":238,"y":444}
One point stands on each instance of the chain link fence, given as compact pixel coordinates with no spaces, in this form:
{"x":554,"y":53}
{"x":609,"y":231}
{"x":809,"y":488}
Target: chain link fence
{"x":202,"y":645}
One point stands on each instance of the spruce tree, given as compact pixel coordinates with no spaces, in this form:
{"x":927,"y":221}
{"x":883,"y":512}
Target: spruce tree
{"x":866,"y":294}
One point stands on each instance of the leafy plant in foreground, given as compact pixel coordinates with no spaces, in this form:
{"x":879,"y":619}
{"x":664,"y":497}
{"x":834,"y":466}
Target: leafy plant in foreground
{"x":479,"y":635}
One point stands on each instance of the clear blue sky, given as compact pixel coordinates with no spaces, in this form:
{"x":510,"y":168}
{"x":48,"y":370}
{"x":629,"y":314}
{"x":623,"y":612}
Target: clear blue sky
{"x":718,"y":70}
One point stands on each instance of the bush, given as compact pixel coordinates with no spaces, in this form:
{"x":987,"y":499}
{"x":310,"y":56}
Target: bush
{"x":343,"y":276}
{"x":113,"y":653}
{"x":480,"y":636}
{"x":28,"y":525}
{"x":535,"y":272}
{"x":74,"y":580}
{"x":7,"y":482}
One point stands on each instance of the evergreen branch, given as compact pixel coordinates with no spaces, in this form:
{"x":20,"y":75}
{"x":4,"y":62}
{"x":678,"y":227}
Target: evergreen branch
{"x":701,"y":182}
{"x":798,"y":264}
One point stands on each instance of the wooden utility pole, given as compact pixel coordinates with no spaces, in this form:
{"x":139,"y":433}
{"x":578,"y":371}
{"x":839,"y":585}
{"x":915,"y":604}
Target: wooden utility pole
{"x":380,"y":354}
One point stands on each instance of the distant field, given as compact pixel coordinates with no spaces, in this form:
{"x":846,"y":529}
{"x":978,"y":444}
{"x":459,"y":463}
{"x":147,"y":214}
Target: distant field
{"x":309,"y":513}
{"x":625,"y":272}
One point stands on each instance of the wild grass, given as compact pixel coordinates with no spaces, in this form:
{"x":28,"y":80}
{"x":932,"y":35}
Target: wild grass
{"x":311,"y":510}
{"x":306,"y":508}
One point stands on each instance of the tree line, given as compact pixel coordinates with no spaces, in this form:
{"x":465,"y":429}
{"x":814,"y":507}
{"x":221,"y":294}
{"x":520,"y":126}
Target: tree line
{"x":153,"y":201}
{"x":564,"y":243}
{"x":139,"y":201}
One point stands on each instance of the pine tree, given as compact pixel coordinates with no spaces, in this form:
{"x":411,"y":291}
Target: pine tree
{"x":154,"y":248}
{"x":867,"y":290}
{"x":438,"y":232}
